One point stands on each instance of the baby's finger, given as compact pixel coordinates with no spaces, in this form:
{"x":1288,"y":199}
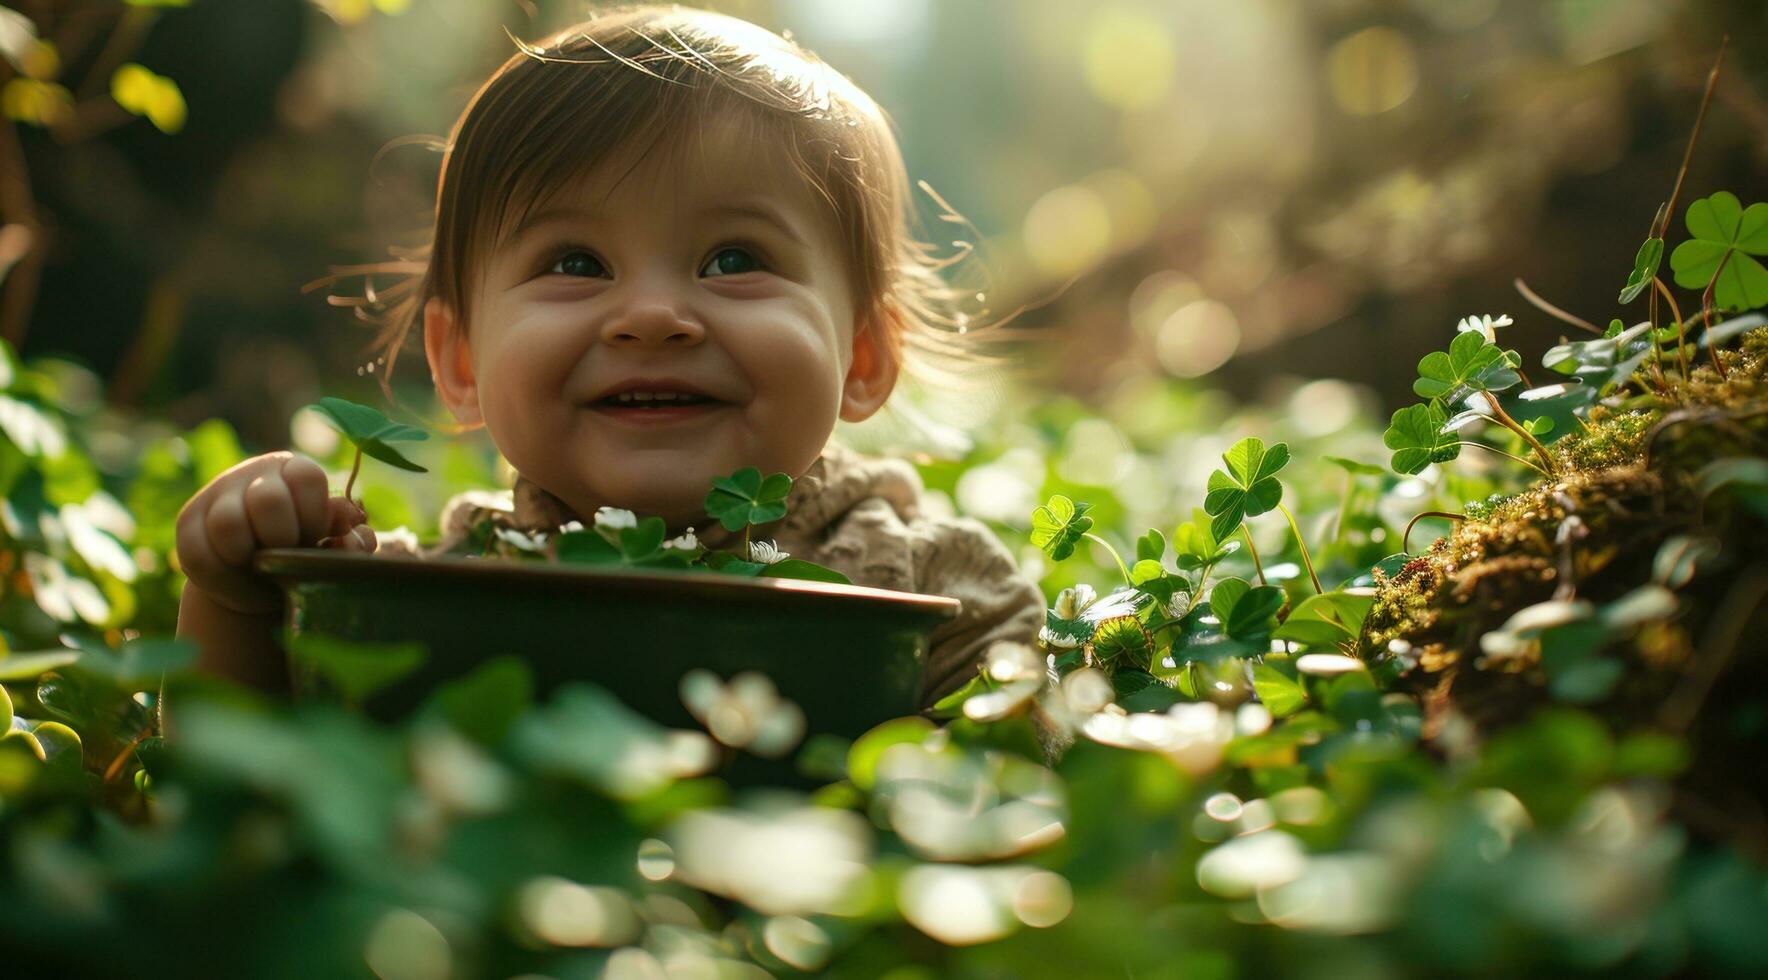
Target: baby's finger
{"x":309,"y":488}
{"x":230,"y":532}
{"x":195,"y":557}
{"x":271,"y":510}
{"x":342,"y":514}
{"x":361,"y":538}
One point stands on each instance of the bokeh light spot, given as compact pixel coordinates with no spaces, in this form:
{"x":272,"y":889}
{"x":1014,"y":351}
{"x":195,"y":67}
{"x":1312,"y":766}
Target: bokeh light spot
{"x":1068,"y":230}
{"x":1197,"y":338}
{"x":1129,"y":59}
{"x":1372,"y":71}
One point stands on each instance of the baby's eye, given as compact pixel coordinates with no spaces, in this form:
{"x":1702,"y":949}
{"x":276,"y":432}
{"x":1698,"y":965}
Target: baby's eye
{"x":579,"y":263}
{"x":731,"y":261}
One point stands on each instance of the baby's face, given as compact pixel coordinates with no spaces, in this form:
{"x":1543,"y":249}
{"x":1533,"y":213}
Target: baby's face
{"x":716,"y":282}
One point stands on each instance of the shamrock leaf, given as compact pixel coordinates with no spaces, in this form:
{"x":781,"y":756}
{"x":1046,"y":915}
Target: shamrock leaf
{"x":1248,"y":488}
{"x":1472,"y":364}
{"x":1724,"y":232}
{"x":1645,"y":268}
{"x":1415,"y":433}
{"x":744,"y":498}
{"x":1552,"y":408}
{"x":1326,"y":619}
{"x":1604,"y":362}
{"x":1196,"y":546}
{"x":1150,"y":546}
{"x":1279,"y":692}
{"x":1353,"y":467}
{"x":798,"y":568}
{"x":1245,"y":610}
{"x":370,"y":431}
{"x":1057,"y":526}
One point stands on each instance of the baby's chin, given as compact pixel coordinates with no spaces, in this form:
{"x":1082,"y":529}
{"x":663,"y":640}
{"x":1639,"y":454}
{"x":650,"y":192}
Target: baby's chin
{"x":680,"y":504}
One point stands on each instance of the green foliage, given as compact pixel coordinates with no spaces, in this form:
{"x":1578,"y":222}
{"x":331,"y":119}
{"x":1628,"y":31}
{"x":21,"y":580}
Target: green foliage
{"x":1472,"y":364}
{"x":1057,"y":526}
{"x":1227,"y":757}
{"x":1248,"y":487}
{"x":1245,"y":610}
{"x":370,"y":431}
{"x":1726,"y":236}
{"x":1416,"y":436}
{"x":1645,"y":268}
{"x":744,"y":498}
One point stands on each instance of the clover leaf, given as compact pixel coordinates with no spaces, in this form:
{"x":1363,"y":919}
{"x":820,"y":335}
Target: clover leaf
{"x":1604,"y":362}
{"x":370,"y":431}
{"x":1196,"y":546}
{"x":1248,"y":488}
{"x":1057,"y":526}
{"x":1245,"y":610}
{"x":1645,"y":269}
{"x":1472,"y":364}
{"x":744,"y":498}
{"x":1416,"y":435}
{"x":1725,"y":232}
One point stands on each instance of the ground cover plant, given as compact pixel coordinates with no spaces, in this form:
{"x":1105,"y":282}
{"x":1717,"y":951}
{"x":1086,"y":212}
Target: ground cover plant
{"x":1264,"y":736}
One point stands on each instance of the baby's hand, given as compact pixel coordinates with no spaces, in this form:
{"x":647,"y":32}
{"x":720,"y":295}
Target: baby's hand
{"x":277,"y":500}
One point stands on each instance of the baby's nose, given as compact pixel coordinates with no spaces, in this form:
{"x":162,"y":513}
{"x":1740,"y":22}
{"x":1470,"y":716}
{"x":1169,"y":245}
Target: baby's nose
{"x":652,"y":324}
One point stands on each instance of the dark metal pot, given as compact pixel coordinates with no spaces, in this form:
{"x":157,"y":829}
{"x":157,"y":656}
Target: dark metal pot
{"x":851,"y":657}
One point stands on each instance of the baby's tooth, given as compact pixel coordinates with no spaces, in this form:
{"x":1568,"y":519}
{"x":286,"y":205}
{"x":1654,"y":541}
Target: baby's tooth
{"x":643,"y":396}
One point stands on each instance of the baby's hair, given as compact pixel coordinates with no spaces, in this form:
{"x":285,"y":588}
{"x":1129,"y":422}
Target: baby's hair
{"x":642,"y":77}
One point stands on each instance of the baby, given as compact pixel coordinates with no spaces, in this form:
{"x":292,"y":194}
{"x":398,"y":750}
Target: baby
{"x":668,"y":245}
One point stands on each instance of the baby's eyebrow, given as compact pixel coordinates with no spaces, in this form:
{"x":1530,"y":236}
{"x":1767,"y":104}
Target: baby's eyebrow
{"x":540,"y":219}
{"x":760,"y":212}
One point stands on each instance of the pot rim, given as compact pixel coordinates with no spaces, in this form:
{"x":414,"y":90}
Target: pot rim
{"x":290,"y":566}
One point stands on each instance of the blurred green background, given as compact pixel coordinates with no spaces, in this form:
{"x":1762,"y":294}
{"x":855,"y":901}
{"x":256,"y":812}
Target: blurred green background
{"x":1238,"y":193}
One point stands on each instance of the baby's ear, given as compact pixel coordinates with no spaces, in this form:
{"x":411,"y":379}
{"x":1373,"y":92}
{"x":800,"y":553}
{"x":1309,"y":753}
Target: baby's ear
{"x":451,"y":362}
{"x":872,"y":375}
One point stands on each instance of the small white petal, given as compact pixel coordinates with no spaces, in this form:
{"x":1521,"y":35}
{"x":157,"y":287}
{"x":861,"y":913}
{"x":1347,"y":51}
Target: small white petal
{"x":614,"y":518}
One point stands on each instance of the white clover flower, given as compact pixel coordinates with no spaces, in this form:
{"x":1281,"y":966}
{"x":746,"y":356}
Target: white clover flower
{"x":1484,"y":323}
{"x":1071,"y":602}
{"x":398,"y":540}
{"x":766,"y":552}
{"x":1178,"y":605}
{"x":686,"y":541}
{"x":613,"y":518}
{"x":1057,"y":641}
{"x":522,"y":540}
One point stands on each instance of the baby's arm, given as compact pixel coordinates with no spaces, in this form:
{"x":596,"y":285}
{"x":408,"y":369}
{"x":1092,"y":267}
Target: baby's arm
{"x":229,"y":610}
{"x":965,"y":560}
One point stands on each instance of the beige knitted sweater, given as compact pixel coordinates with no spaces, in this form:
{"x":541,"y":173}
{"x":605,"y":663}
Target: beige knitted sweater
{"x":860,"y":516}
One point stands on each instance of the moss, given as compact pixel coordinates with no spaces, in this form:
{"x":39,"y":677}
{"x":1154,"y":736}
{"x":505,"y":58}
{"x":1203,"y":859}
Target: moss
{"x":1591,"y":531}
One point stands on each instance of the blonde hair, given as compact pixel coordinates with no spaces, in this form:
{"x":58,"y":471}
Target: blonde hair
{"x":637,"y":77}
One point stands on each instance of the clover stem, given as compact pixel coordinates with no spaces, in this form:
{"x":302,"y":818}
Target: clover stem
{"x":1528,"y":437}
{"x":1257,"y":566}
{"x":747,"y":551}
{"x":1303,"y":545}
{"x":355,"y":468}
{"x":1657,"y":353}
{"x":1120,"y":565}
{"x":1406,"y":537}
{"x":1344,"y":507}
{"x":1694,"y":137}
{"x":1554,"y":311}
{"x":1681,"y":338}
{"x":1202,"y":577}
{"x":1706,"y":310}
{"x":1531,"y":464}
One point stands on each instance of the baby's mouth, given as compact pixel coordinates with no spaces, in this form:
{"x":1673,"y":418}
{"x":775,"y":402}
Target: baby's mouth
{"x":653,"y":400}
{"x":657,"y":407}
